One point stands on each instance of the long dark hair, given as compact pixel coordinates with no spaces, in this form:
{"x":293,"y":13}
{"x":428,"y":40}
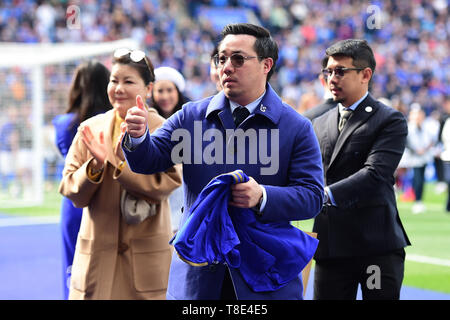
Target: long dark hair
{"x":88,"y":93}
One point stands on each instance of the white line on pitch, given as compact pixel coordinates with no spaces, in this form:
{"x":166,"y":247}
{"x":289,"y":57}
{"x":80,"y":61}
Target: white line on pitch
{"x":428,"y":260}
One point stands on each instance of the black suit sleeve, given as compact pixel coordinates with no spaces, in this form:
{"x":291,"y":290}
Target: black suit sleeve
{"x":370,"y":183}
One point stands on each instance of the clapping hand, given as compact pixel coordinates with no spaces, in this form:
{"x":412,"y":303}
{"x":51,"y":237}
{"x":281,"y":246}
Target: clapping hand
{"x":96,"y":147}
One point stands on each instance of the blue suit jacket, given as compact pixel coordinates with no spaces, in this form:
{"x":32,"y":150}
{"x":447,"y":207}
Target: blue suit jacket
{"x":294,"y":191}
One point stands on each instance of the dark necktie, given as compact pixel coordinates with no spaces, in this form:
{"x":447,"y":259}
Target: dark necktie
{"x":239,"y":115}
{"x":345,"y":114}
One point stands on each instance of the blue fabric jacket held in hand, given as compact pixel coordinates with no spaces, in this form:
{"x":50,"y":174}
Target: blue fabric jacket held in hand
{"x":268,"y":255}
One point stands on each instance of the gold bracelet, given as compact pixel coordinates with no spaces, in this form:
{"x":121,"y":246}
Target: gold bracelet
{"x":121,"y":165}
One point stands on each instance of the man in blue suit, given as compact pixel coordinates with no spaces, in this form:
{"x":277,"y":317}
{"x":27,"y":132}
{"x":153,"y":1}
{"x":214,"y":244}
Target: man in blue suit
{"x":245,"y":126}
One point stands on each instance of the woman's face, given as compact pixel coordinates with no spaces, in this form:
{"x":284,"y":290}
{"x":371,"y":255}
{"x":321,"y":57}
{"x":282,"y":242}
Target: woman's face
{"x":165,"y":95}
{"x":124,"y":85}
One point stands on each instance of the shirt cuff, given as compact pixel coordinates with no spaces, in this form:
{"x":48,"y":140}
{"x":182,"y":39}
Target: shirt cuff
{"x":330,"y":196}
{"x":132,"y":143}
{"x":264,"y":199}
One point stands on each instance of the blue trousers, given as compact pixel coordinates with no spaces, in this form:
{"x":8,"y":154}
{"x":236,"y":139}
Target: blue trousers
{"x":70,"y":225}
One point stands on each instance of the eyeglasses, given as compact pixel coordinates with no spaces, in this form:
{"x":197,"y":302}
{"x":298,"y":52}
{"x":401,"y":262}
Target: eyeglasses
{"x":338,"y":72}
{"x":237,"y":60}
{"x":135,"y":55}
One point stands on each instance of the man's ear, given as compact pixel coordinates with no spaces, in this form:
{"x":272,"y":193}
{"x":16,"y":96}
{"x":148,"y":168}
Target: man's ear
{"x":367,"y":75}
{"x":268,"y":64}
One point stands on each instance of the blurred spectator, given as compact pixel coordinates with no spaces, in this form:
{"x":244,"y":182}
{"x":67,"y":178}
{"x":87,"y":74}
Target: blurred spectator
{"x":45,"y":20}
{"x":419,"y":146}
{"x":308,"y":101}
{"x":9,"y":148}
{"x":167,"y":94}
{"x":445,"y":156}
{"x":15,"y":153}
{"x":441,"y":185}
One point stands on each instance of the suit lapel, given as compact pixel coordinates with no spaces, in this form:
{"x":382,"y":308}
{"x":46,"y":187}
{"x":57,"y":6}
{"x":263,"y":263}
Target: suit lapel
{"x":327,"y":133}
{"x":220,"y":106}
{"x":362,"y":112}
{"x":332,"y":126}
{"x":226,"y":117}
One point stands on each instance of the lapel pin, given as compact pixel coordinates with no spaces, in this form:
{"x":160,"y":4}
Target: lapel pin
{"x":368,"y":109}
{"x":263,"y":108}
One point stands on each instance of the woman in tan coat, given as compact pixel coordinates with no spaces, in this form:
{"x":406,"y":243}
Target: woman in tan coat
{"x":118,"y":256}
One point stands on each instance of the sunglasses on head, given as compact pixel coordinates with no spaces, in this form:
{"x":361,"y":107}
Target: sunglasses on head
{"x":135,"y":55}
{"x":237,"y":60}
{"x":339,"y":72}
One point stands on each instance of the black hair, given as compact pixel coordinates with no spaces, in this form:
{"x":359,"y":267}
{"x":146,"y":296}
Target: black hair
{"x":214,"y":52}
{"x":265,"y":46}
{"x":324,"y":62}
{"x":144,"y":67}
{"x":88,"y":93}
{"x":357,"y":49}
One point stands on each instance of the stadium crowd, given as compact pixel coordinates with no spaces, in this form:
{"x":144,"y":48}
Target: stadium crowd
{"x":410,"y":40}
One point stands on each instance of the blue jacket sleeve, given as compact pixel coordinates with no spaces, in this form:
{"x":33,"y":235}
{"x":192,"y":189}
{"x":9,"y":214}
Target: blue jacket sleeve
{"x":154,"y":153}
{"x":302,"y":198}
{"x":65,"y":131}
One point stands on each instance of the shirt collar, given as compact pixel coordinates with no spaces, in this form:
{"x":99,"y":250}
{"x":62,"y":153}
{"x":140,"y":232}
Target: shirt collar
{"x":251,"y":106}
{"x":271,"y":105}
{"x":353,"y":106}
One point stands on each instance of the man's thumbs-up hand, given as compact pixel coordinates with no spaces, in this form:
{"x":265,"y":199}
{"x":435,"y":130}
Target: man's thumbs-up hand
{"x":136,"y":119}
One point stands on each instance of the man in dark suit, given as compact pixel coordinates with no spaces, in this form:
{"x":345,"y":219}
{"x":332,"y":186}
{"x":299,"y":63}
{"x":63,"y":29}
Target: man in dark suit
{"x":361,"y":236}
